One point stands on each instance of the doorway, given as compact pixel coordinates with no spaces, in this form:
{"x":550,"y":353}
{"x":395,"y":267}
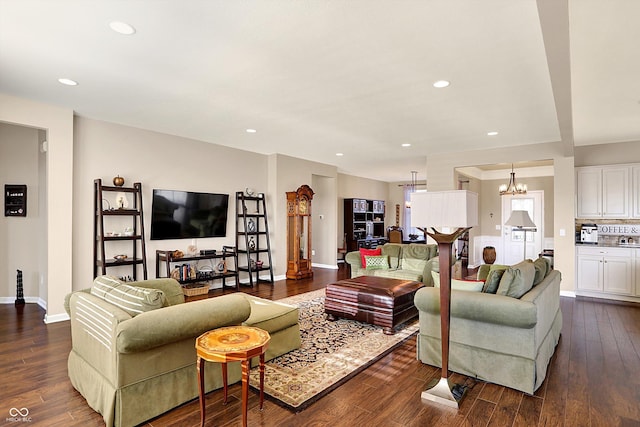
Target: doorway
{"x":515,"y":247}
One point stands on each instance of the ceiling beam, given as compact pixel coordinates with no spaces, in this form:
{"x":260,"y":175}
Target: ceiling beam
{"x":554,"y":23}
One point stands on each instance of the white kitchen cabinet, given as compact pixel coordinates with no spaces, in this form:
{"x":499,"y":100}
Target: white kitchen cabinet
{"x":603,"y":192}
{"x":605,"y":269}
{"x":589,"y":190}
{"x":635,"y":192}
{"x":636,"y":269}
{"x":590,"y":275}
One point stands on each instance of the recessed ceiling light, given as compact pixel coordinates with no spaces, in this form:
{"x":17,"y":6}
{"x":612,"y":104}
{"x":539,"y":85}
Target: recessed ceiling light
{"x":339,"y":154}
{"x":251,"y":131}
{"x":406,"y":145}
{"x":68,"y":82}
{"x":492,"y":133}
{"x":122,"y":28}
{"x":441,"y":83}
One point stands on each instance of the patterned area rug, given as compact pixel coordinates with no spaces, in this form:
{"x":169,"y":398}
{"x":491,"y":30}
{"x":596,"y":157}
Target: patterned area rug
{"x":331,"y":353}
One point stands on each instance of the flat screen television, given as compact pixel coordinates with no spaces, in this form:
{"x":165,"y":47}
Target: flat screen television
{"x":188,"y":215}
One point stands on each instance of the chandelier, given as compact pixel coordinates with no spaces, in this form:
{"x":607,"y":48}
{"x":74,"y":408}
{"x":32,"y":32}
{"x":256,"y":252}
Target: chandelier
{"x":513,"y":188}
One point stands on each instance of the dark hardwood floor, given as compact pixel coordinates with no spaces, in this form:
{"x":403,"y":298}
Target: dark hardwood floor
{"x":593,"y":379}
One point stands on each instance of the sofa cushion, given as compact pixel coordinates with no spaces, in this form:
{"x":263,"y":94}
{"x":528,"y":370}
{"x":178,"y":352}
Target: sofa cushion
{"x":173,"y":292}
{"x":394,"y":252}
{"x":131,"y":299}
{"x":459,"y":285}
{"x":542,"y":268}
{"x":517,"y":280}
{"x":364,"y":252}
{"x":377,"y":262}
{"x":272,"y":316}
{"x":493,"y":278}
{"x":418,"y":251}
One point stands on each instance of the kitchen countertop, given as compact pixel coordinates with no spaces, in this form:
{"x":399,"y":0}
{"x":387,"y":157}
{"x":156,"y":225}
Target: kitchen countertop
{"x":609,"y":245}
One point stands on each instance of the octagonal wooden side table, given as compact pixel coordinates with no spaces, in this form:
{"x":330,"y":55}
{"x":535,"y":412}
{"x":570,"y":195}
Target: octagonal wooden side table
{"x":232,"y":344}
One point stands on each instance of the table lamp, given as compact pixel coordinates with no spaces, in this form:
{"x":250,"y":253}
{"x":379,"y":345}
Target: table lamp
{"x":457,"y":209}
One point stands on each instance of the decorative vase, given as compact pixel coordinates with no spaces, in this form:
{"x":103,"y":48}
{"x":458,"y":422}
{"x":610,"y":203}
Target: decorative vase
{"x":489,"y":254}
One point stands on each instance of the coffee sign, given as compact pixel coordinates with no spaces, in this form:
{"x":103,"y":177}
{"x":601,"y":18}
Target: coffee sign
{"x":619,"y":229}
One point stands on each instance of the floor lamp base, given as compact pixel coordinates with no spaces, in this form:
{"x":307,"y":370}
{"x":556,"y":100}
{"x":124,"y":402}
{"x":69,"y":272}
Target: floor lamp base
{"x":439,"y":391}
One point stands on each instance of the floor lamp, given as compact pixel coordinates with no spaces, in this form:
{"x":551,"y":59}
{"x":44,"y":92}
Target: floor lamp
{"x":444,"y":209}
{"x":521,"y":220}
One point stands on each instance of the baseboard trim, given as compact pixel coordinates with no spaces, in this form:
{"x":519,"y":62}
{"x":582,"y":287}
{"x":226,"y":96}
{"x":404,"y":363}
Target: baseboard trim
{"x":570,"y":294}
{"x":54,"y":318}
{"x":28,"y":300}
{"x":327,"y":266}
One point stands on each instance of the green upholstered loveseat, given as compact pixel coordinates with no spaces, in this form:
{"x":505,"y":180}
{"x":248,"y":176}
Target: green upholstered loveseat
{"x":133,"y":368}
{"x":412,"y":261}
{"x":496,"y":338}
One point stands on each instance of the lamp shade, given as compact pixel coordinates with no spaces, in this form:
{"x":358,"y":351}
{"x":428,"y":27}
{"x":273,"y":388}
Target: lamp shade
{"x":520,"y":219}
{"x":455,"y":208}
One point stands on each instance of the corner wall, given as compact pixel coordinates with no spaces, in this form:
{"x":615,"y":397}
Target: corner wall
{"x":58,"y":122}
{"x":21,"y":237}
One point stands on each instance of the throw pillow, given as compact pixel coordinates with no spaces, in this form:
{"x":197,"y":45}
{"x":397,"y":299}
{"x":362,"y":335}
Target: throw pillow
{"x":374,"y":262}
{"x":364,"y":252}
{"x":459,"y":285}
{"x":493,"y":278}
{"x":541,"y":266}
{"x":131,"y":299}
{"x":517,"y":280}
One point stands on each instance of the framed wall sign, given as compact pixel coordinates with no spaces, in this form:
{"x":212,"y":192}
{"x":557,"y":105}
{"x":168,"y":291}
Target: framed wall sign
{"x":15,"y":200}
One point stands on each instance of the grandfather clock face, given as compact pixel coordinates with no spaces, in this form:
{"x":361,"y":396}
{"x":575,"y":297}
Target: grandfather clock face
{"x":303,"y":206}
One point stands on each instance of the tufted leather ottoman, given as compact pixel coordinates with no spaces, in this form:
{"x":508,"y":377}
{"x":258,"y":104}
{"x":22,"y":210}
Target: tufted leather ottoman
{"x":380,"y":301}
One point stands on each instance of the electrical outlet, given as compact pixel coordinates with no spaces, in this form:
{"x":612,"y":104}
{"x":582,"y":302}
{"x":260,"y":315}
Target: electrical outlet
{"x":313,"y":251}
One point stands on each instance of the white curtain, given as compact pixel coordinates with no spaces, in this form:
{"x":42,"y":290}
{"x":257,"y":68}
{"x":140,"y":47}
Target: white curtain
{"x":406,"y":223}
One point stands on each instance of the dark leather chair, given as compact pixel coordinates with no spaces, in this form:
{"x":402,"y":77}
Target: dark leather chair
{"x":394,"y":234}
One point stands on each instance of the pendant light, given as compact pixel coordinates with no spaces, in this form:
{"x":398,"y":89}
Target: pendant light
{"x":412,"y":187}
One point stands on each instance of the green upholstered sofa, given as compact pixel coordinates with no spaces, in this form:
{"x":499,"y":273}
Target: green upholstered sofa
{"x":496,"y":338}
{"x":133,"y":368}
{"x":411,"y":261}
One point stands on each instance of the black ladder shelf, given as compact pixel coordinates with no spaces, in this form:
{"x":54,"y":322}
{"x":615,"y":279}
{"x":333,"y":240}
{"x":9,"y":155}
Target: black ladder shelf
{"x":252,"y":237}
{"x":135,"y":235}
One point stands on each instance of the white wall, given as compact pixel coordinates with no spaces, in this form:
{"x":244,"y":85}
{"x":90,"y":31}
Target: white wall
{"x":58,"y":123}
{"x":104,"y":150}
{"x":20,"y":237}
{"x":288,"y":174}
{"x":324,"y":211}
{"x":607,"y":154}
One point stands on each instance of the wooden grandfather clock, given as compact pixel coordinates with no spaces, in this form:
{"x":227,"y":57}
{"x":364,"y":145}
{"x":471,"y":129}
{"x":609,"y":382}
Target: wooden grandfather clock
{"x":299,"y":233}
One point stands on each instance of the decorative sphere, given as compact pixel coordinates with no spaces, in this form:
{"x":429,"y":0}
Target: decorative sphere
{"x":118,"y":181}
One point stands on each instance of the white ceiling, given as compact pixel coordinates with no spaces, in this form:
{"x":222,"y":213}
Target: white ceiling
{"x":319,"y":77}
